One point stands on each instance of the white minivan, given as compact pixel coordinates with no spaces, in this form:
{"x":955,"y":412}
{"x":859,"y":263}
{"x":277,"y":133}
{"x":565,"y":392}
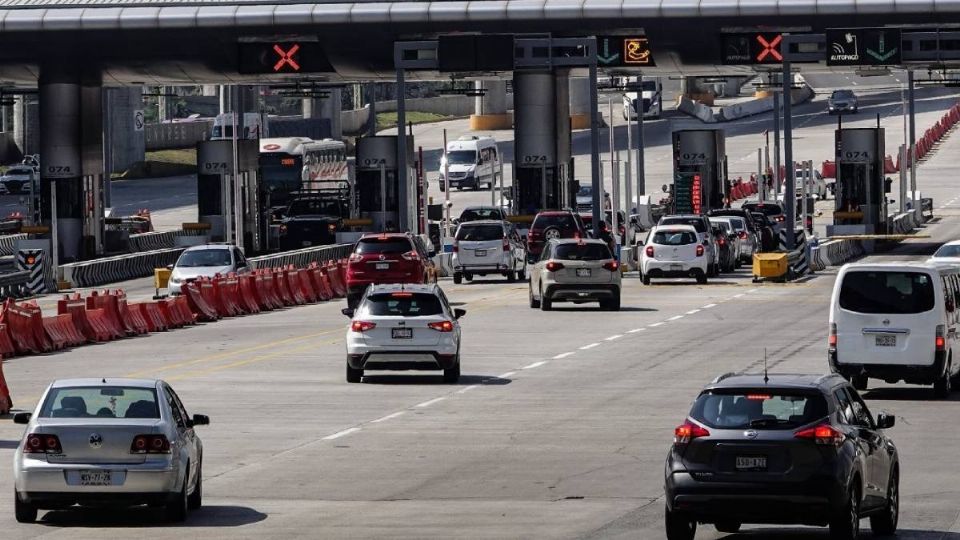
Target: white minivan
{"x":472,"y":162}
{"x":895,"y":322}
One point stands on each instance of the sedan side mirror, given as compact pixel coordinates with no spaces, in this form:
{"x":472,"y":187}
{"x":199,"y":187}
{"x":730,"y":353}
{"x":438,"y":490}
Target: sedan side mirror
{"x":432,"y":253}
{"x":348,"y":312}
{"x":22,"y":418}
{"x":886,"y":421}
{"x":169,"y":267}
{"x":201,"y":420}
{"x":459,"y":312}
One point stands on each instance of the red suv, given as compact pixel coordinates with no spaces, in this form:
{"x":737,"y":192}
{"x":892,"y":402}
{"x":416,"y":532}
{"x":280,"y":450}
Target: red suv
{"x":552,"y":224}
{"x":387,"y":258}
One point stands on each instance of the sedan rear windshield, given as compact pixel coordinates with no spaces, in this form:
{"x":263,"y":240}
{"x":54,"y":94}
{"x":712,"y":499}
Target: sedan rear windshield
{"x":696,"y":223}
{"x":204,"y":257}
{"x":762,"y":408}
{"x":674,"y":238}
{"x":765,"y":209}
{"x":892,"y":292}
{"x":479,"y":233}
{"x":367,"y":246}
{"x":476,"y":214}
{"x":402,"y":304}
{"x":101,"y":402}
{"x":582,"y":252}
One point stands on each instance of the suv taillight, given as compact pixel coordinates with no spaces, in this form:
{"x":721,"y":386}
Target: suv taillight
{"x":40,"y":443}
{"x":699,"y":250}
{"x":442,"y":326}
{"x":456,"y":247}
{"x":832,"y":338}
{"x":742,"y":235}
{"x":688,"y":431}
{"x":824,"y":434}
{"x":411,"y":256}
{"x":150,"y":444}
{"x":355,"y":257}
{"x":612,"y":266}
{"x":940,"y":340}
{"x":553,"y":266}
{"x":362,"y":326}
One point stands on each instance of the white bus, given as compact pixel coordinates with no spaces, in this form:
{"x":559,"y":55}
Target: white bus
{"x":651,"y":93}
{"x":295,"y":163}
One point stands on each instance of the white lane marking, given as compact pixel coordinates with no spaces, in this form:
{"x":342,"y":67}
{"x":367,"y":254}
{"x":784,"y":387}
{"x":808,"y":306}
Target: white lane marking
{"x":590,"y":346}
{"x":467,"y":389}
{"x":753,"y":290}
{"x":430,"y":402}
{"x":675,"y":318}
{"x":635,"y":330}
{"x":535,"y":365}
{"x":507,"y":374}
{"x":613,"y":337}
{"x":738,"y":295}
{"x":656,"y":324}
{"x":564,"y":355}
{"x":343,"y":433}
{"x":387,"y":417}
{"x":692,"y":311}
{"x":708,"y":306}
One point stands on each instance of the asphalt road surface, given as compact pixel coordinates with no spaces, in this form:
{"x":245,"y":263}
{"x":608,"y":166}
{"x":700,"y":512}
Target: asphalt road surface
{"x":557,"y":429}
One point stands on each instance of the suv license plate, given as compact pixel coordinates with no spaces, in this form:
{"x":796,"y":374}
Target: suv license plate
{"x":755,"y":463}
{"x":676,"y":267}
{"x":583,"y":272}
{"x":481,"y":252}
{"x":886,"y":341}
{"x":383,"y":266}
{"x":401,"y":333}
{"x":96,"y":478}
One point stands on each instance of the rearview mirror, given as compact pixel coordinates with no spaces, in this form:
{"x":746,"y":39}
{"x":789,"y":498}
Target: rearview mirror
{"x":459,"y":312}
{"x":201,"y":420}
{"x":348,"y":312}
{"x":886,"y":421}
{"x":22,"y":418}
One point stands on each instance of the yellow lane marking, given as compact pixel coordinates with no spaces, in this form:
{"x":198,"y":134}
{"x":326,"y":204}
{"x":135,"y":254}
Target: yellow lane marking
{"x":255,"y":359}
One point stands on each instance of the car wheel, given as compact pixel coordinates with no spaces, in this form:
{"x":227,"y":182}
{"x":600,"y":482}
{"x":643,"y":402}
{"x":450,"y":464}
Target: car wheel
{"x":195,"y":500}
{"x":846,"y":524}
{"x":354,"y":375}
{"x":612,"y":304}
{"x":511,"y":276}
{"x":729,"y":527}
{"x":522,"y":273}
{"x":25,"y":512}
{"x":678,"y":526}
{"x":701,"y":278}
{"x":545,"y":303}
{"x":885,"y":523}
{"x":534,"y":303}
{"x":457,"y":278}
{"x":943,"y":386}
{"x":468,"y":277}
{"x":452,"y":375}
{"x":645,"y":279}
{"x":860,"y":382}
{"x":177,"y":508}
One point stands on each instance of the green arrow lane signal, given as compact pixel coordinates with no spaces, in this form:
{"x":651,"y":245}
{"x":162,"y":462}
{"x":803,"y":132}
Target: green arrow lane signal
{"x":882,"y":57}
{"x":607,"y":58}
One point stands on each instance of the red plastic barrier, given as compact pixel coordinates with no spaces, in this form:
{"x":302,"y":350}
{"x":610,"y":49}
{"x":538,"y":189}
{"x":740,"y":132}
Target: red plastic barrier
{"x":283,"y":288}
{"x":5,"y":402}
{"x":336,"y":282}
{"x":209,"y":294}
{"x":228,"y":290}
{"x":6,"y":345}
{"x":170,"y":314}
{"x":888,"y":165}
{"x":133,"y":322}
{"x":828,"y":169}
{"x":53,"y":332}
{"x":248,"y":293}
{"x":100,"y":324}
{"x":342,"y":269}
{"x":270,"y":294}
{"x":306,"y":285}
{"x":20,"y":327}
{"x":320,"y":282}
{"x":62,"y":332}
{"x":151,"y":312}
{"x":108,"y":303}
{"x":198,"y":304}
{"x":292,"y":279}
{"x":36,"y":325}
{"x":77,"y":307}
{"x":183,"y":307}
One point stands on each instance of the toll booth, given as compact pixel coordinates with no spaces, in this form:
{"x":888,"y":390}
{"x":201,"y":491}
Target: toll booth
{"x":377,"y":190}
{"x":860,"y":202}
{"x":228,"y":199}
{"x":699,"y":171}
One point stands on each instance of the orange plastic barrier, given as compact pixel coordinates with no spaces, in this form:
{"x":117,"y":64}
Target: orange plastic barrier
{"x":228,"y":296}
{"x":183,"y":308}
{"x":248,"y":293}
{"x":270,"y":294}
{"x":77,"y":307}
{"x":198,"y":304}
{"x":100,"y":325}
{"x":283,"y":288}
{"x":337,"y":283}
{"x":320,"y":283}
{"x":108,"y":303}
{"x":292,"y":279}
{"x":306,"y":285}
{"x":170,"y":314}
{"x":5,"y":402}
{"x":151,"y":312}
{"x":209,"y":294}
{"x":6,"y":344}
{"x":133,"y":323}
{"x":62,"y":332}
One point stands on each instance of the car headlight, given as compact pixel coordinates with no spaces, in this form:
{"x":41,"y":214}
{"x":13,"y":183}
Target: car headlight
{"x":174,"y":281}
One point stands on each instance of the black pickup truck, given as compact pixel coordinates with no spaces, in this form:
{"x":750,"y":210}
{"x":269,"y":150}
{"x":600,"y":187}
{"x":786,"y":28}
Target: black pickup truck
{"x":311,"y":221}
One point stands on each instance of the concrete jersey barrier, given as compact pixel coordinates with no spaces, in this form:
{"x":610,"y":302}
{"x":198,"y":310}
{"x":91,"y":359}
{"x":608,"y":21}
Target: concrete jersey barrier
{"x":8,"y":242}
{"x":302,"y":257}
{"x":118,"y":268}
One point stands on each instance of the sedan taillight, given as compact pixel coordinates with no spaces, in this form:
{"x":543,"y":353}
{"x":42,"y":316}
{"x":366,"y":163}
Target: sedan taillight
{"x":40,"y":443}
{"x":441,"y":326}
{"x":355,"y":257}
{"x":411,"y":256}
{"x":150,"y":444}
{"x":362,"y":326}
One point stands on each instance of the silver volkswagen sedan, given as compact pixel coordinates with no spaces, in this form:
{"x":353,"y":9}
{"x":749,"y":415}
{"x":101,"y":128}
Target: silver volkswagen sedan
{"x":124,"y":442}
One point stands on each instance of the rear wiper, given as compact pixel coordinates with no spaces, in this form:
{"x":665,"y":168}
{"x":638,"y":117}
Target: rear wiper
{"x":765,"y":422}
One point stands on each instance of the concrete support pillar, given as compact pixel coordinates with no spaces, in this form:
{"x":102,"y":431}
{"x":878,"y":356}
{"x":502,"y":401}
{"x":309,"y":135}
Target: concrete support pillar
{"x":26,"y":124}
{"x":91,"y":162}
{"x":580,"y":103}
{"x":224,"y":93}
{"x":490,"y":109}
{"x":328,"y":108}
{"x":126,"y":145}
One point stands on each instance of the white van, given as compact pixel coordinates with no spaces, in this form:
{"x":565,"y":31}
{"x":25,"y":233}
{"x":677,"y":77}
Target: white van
{"x":473,"y":162}
{"x":896,"y":322}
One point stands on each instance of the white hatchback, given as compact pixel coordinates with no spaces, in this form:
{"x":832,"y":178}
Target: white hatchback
{"x":673,"y":251}
{"x":403,"y":327}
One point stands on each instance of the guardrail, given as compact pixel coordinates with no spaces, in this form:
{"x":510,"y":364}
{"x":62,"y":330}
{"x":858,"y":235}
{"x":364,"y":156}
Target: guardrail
{"x":302,"y":257}
{"x":8,"y":242}
{"x":14,"y":284}
{"x":152,"y":241}
{"x":118,"y":268}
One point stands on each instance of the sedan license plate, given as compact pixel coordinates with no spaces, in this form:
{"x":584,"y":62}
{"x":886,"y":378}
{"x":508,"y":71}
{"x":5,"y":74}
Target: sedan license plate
{"x":481,"y":252}
{"x":751,"y":463}
{"x":96,"y":478}
{"x":583,"y":272}
{"x":676,"y":267}
{"x":886,"y":341}
{"x":383,"y":266}
{"x":401,"y":333}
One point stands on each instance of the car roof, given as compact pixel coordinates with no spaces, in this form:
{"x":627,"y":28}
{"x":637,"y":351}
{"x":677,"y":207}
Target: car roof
{"x":482,"y":222}
{"x":909,"y":265}
{"x":105,"y":381}
{"x":560,"y":241}
{"x":209,"y":246}
{"x":555,"y":213}
{"x":429,"y":288}
{"x":683,"y":216}
{"x":481,"y":207}
{"x":675,"y":227}
{"x":386,"y":235}
{"x":776,"y":380}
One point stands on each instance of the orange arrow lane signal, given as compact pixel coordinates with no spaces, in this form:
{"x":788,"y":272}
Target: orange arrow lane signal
{"x":286,"y":57}
{"x":769,"y":48}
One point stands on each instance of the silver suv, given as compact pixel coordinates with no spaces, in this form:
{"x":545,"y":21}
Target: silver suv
{"x":488,"y":247}
{"x":575,"y":270}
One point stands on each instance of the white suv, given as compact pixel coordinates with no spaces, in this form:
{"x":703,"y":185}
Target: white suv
{"x":575,"y":270}
{"x":673,"y":251}
{"x":488,"y":247}
{"x":705,"y":234}
{"x":403,"y":327}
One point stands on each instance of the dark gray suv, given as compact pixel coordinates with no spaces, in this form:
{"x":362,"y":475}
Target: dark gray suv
{"x":788,"y":449}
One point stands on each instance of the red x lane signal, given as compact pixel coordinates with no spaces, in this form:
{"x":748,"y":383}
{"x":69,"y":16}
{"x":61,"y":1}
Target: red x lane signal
{"x":769,"y":48}
{"x":286,"y":57}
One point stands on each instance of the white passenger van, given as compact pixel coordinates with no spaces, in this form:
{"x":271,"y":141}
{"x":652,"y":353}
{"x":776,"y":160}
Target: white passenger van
{"x":473,"y":162}
{"x":896,"y":322}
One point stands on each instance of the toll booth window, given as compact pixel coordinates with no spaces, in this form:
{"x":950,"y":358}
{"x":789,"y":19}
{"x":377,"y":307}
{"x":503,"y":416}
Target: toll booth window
{"x":208,"y":195}
{"x":367,"y":246}
{"x":462,"y":157}
{"x":479,"y":233}
{"x":886,"y":292}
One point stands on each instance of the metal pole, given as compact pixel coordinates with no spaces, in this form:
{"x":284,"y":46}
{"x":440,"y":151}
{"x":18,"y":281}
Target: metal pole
{"x":903,"y":178}
{"x":761,"y":187}
{"x":446,"y":190}
{"x":594,"y":140}
{"x":805,"y":173}
{"x":500,"y":166}
{"x":641,"y":169}
{"x":776,"y":141}
{"x":54,"y":233}
{"x":628,"y":177}
{"x":543,"y":186}
{"x":383,"y":193}
{"x":789,"y":191}
{"x":614,"y":168}
{"x":402,"y":210}
{"x":913,"y":139}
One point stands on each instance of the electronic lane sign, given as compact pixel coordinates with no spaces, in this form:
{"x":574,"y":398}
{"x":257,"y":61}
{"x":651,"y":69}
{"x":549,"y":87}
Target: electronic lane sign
{"x":863,"y":47}
{"x":751,"y":48}
{"x":624,"y":51}
{"x":282,"y":57}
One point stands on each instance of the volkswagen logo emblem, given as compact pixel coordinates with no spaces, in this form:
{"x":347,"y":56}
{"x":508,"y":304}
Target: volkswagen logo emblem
{"x":383,"y":257}
{"x":96,"y":441}
{"x":750,"y":434}
{"x":886,"y":322}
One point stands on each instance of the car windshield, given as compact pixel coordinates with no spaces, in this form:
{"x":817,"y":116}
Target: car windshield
{"x":479,"y":233}
{"x":204,"y":257}
{"x":367,"y":246}
{"x":402,"y":304}
{"x":100,"y":402}
{"x":948,"y":251}
{"x":306,"y":207}
{"x":842,"y":94}
{"x":737,"y":224}
{"x":19,"y":171}
{"x":462,"y":157}
{"x":886,"y":292}
{"x":476,"y":214}
{"x":587,"y":251}
{"x":563,"y":222}
{"x":763,"y":408}
{"x":696,"y":223}
{"x":674,"y":238}
{"x":585,"y":191}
